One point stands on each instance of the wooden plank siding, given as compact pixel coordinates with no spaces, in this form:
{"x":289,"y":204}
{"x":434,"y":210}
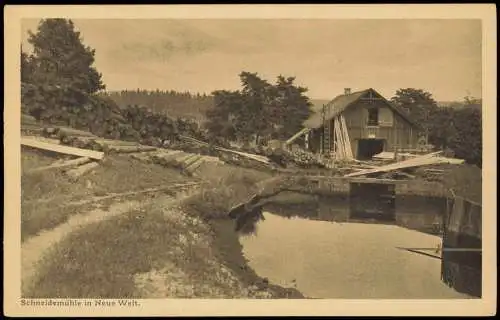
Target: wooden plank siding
{"x":395,"y":130}
{"x":393,"y":126}
{"x":396,"y":135}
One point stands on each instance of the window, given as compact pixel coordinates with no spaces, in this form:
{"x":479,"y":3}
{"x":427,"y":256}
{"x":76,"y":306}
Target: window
{"x":373,"y":117}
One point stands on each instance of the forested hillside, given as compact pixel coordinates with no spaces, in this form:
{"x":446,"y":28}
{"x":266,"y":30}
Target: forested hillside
{"x":175,"y":104}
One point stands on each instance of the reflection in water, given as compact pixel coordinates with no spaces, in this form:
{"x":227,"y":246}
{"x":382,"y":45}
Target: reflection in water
{"x":246,"y":223}
{"x":344,"y":260}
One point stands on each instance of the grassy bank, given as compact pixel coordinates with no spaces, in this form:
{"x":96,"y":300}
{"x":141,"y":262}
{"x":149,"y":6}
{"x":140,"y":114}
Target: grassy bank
{"x":231,"y":186}
{"x":49,"y":197}
{"x":164,"y":248}
{"x":102,"y":259}
{"x":157,"y":251}
{"x":227,"y":186}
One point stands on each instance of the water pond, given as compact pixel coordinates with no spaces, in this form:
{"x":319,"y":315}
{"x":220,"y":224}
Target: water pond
{"x":344,"y":260}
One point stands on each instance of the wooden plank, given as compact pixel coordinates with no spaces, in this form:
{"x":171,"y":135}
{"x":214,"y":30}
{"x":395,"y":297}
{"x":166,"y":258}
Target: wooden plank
{"x":244,"y":154}
{"x":344,"y":142}
{"x":415,"y":162}
{"x":340,"y":144}
{"x":65,"y":164}
{"x":247,"y":155}
{"x":297,"y":135}
{"x":346,"y":135}
{"x":61,"y":149}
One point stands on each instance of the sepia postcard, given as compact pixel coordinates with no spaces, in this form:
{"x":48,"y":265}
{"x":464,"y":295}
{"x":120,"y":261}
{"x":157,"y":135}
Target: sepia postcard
{"x":250,"y":160}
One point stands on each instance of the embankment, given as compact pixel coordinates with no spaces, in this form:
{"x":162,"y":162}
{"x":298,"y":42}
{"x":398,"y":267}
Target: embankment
{"x":158,"y":249}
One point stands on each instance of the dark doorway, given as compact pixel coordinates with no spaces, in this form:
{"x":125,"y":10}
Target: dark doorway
{"x":367,"y":148}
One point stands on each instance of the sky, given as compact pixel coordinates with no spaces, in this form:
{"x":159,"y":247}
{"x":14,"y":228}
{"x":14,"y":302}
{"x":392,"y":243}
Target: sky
{"x":326,"y":56}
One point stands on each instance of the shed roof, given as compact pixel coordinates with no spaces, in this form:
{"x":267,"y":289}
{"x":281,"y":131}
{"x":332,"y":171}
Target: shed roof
{"x":341,"y":103}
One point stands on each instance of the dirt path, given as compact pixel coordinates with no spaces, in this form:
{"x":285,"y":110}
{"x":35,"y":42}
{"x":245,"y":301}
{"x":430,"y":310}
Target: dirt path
{"x":36,"y":247}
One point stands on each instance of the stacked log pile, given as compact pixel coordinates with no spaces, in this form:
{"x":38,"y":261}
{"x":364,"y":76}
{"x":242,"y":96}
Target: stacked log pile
{"x":188,"y":163}
{"x":99,"y":116}
{"x":298,"y":157}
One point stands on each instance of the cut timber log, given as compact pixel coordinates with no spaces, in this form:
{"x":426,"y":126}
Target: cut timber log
{"x":102,"y":142}
{"x":64,"y":131}
{"x":144,"y":156}
{"x":166,"y":159}
{"x":128,"y":149}
{"x":256,"y":157}
{"x":194,"y":166}
{"x":179,"y":162}
{"x":61,"y":149}
{"x":63,"y":165}
{"x":74,"y":132}
{"x":190,"y":161}
{"x":81,"y":170}
{"x":415,"y":162}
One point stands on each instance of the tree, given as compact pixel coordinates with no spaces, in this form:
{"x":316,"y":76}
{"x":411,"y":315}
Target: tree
{"x":61,"y":59}
{"x":442,"y":131}
{"x":59,"y":75}
{"x":254,"y":118}
{"x":467,"y":143}
{"x":259,"y":109}
{"x":290,"y":108}
{"x":26,"y":67}
{"x":419,"y":104}
{"x":222,"y":118}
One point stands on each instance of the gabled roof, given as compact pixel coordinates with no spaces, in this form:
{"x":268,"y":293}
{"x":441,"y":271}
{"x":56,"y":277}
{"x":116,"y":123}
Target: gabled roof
{"x":340,"y":103}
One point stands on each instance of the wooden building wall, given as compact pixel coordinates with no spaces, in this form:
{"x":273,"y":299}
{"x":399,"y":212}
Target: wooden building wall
{"x":392,"y":128}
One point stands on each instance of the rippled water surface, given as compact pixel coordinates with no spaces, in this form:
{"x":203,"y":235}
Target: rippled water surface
{"x":345,"y":260}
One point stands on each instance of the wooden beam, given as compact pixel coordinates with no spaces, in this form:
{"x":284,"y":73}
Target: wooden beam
{"x":346,"y":135}
{"x":33,"y":143}
{"x":297,"y":135}
{"x":415,"y":162}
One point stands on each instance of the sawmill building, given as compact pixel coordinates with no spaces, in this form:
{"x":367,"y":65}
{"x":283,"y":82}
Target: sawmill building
{"x":358,"y":125}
